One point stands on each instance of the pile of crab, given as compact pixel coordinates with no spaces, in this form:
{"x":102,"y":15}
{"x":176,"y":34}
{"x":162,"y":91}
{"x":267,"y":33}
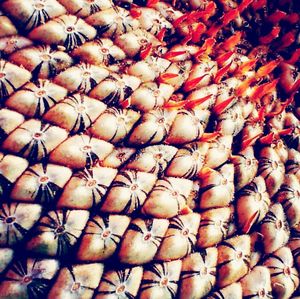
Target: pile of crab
{"x":149,"y":149}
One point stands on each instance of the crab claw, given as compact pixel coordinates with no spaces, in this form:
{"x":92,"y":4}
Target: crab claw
{"x":293,"y":18}
{"x":146,"y":51}
{"x":258,"y":4}
{"x":174,"y":104}
{"x":224,"y":57}
{"x":268,"y":139}
{"x":164,"y":78}
{"x":294,"y":58}
{"x":232,"y":41}
{"x":246,"y":66}
{"x":135,"y":12}
{"x":151,"y":3}
{"x":229,"y":16}
{"x":220,"y":108}
{"x":246,"y":142}
{"x":126,"y":103}
{"x":221,"y":72}
{"x":210,"y":136}
{"x":210,"y":10}
{"x":261,"y":114}
{"x":285,"y":132}
{"x":213,"y":30}
{"x":267,"y":68}
{"x":185,"y":210}
{"x":267,"y":39}
{"x":244,"y":5}
{"x":241,"y":90}
{"x":206,"y":47}
{"x":180,"y":20}
{"x":161,"y":34}
{"x":295,"y":87}
{"x":170,"y":55}
{"x":205,"y":171}
{"x":204,"y":14}
{"x":191,"y":84}
{"x":283,"y":106}
{"x":194,"y":103}
{"x":261,"y":90}
{"x":287,"y":40}
{"x":247,"y":227}
{"x":188,"y":37}
{"x":276,"y":17}
{"x":197,"y":33}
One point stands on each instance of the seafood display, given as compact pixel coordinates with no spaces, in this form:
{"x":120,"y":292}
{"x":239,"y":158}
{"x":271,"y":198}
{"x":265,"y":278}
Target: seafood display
{"x":149,"y":149}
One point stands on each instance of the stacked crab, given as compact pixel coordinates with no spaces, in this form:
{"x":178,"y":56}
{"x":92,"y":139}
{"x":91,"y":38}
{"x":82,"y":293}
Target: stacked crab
{"x":149,"y":149}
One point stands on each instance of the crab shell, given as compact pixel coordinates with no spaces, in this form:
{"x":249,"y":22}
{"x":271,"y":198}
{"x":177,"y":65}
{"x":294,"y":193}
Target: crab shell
{"x":32,"y":13}
{"x":142,"y":240}
{"x":77,"y":111}
{"x":150,"y":95}
{"x":83,"y":9}
{"x":289,"y":196}
{"x":115,"y":282}
{"x":114,"y":124}
{"x":275,"y":229}
{"x":10,"y":44}
{"x":181,"y":236}
{"x":66,"y":30}
{"x":128,"y":192}
{"x":7,"y":28}
{"x":168,"y":198}
{"x":13,"y":228}
{"x":57,"y":231}
{"x":160,"y":280}
{"x":9,"y":121}
{"x":37,"y":269}
{"x":81,"y":78}
{"x":189,"y":125}
{"x":219,"y":151}
{"x":34,"y":99}
{"x":257,"y":283}
{"x":271,"y":168}
{"x":79,"y":151}
{"x":214,"y":226}
{"x":86,"y":188}
{"x":102,"y":52}
{"x":11,"y":168}
{"x":245,"y":167}
{"x":148,"y":69}
{"x":217,"y":187}
{"x":233,"y":291}
{"x":252,"y":204}
{"x":42,"y":61}
{"x":288,"y":77}
{"x":112,"y":24}
{"x":71,"y":279}
{"x":198,"y":273}
{"x":101,"y":237}
{"x":12,"y":77}
{"x":284,"y":276}
{"x":153,"y":159}
{"x":41,"y":183}
{"x":293,"y":163}
{"x":188,"y":160}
